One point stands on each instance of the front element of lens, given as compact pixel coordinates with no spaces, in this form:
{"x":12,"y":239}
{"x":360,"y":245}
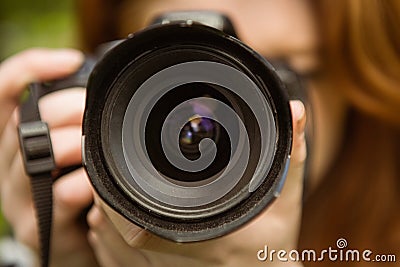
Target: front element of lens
{"x":191,"y":126}
{"x":154,"y":169}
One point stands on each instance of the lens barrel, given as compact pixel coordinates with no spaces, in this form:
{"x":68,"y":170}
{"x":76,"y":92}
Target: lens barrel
{"x":187,"y":132}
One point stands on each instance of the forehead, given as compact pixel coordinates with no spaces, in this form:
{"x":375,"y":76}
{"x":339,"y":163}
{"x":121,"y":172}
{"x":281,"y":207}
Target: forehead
{"x":282,"y":28}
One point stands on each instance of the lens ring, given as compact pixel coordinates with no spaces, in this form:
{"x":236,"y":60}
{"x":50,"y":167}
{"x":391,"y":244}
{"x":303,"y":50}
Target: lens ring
{"x":147,"y":96}
{"x":105,"y":105}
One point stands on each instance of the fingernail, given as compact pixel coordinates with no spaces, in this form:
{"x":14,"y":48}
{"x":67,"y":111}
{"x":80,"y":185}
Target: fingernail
{"x":298,"y":110}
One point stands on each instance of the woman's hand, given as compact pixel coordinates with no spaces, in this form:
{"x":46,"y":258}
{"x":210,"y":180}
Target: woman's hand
{"x":72,"y":192}
{"x":117,"y":242}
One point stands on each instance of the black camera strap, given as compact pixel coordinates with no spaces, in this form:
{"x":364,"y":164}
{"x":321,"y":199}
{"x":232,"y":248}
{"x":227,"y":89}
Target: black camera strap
{"x":39,"y":163}
{"x":37,"y":150}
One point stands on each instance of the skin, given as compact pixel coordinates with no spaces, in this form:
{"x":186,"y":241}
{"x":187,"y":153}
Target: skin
{"x":112,"y":240}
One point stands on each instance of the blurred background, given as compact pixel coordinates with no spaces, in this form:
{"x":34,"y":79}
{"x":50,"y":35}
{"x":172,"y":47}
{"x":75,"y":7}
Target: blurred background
{"x":43,"y":23}
{"x":24,"y":24}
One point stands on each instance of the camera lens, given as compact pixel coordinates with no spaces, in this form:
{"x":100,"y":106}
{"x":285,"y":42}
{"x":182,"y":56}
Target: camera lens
{"x":199,"y":134}
{"x":193,"y":132}
{"x":154,"y":169}
{"x":187,"y":134}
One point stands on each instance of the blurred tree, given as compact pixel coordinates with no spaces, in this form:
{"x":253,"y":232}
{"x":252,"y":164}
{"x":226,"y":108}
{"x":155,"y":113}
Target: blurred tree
{"x":27,"y":23}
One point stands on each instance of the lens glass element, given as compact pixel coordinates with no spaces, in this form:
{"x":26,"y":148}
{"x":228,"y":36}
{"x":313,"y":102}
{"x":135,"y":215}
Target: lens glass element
{"x":197,"y":138}
{"x":189,"y":113}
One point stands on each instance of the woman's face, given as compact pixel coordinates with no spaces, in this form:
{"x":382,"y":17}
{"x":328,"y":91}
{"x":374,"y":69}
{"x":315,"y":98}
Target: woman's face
{"x":283,"y":29}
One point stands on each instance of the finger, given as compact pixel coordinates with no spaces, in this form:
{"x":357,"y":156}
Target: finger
{"x":9,"y":144}
{"x":287,"y":208}
{"x":134,"y":235}
{"x":299,"y":121}
{"x":18,"y":184}
{"x":292,"y":188}
{"x":71,"y":112}
{"x":65,"y":153}
{"x":72,"y":194}
{"x":107,"y":242}
{"x":29,"y":66}
{"x":25,"y":228}
{"x":16,"y":193}
{"x":35,"y":65}
{"x":103,"y":255}
{"x":63,"y":107}
{"x":112,"y":250}
{"x":66,"y":142}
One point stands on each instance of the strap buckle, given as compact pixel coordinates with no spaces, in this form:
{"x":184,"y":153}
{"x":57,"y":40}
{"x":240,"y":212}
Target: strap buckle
{"x":36,"y":147}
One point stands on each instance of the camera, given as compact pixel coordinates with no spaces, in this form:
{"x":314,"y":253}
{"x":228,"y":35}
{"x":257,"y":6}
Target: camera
{"x":187,"y":131}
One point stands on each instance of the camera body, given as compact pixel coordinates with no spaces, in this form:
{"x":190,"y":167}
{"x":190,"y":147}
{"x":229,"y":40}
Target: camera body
{"x":187,"y":131}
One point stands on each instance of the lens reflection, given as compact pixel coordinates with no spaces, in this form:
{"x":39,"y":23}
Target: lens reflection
{"x":198,"y":127}
{"x":195,"y":130}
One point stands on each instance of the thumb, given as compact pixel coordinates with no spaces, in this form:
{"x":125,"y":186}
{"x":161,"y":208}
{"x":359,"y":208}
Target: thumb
{"x":72,"y":194}
{"x":292,"y":190}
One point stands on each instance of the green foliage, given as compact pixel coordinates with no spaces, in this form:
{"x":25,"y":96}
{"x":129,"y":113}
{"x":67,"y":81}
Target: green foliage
{"x":33,"y":23}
